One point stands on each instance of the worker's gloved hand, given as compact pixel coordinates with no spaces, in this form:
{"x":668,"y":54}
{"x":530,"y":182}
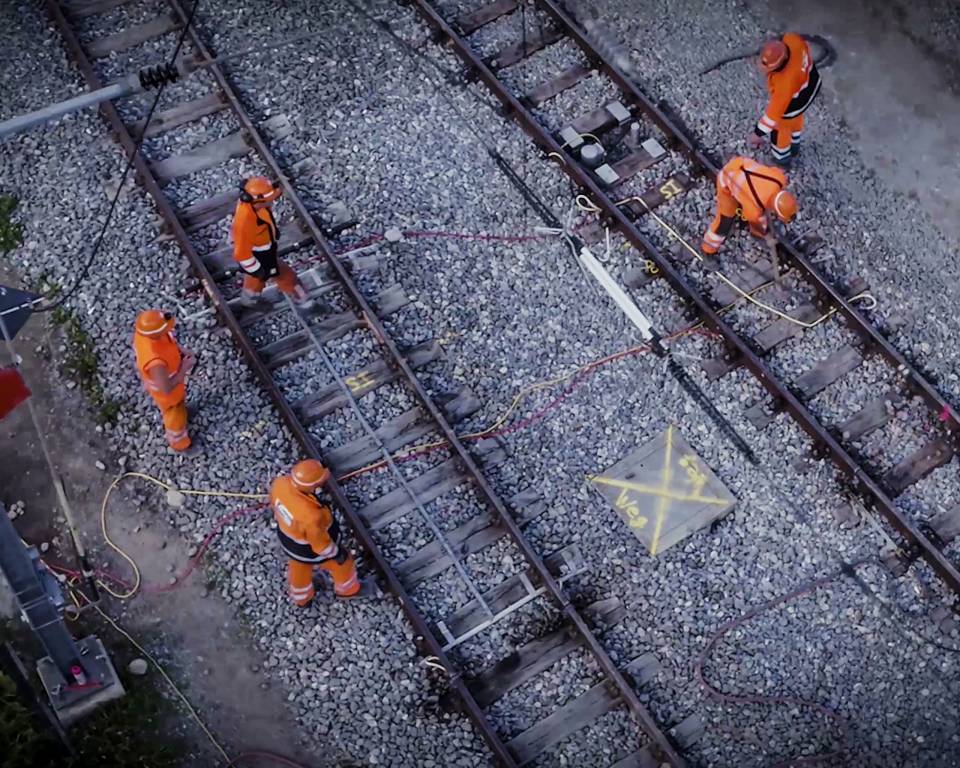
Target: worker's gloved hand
{"x":754,"y":141}
{"x":188,"y":362}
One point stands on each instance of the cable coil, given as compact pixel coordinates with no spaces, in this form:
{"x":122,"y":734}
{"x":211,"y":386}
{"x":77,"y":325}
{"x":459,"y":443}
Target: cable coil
{"x":159,"y":75}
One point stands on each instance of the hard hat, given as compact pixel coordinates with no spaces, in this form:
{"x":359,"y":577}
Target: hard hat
{"x":153,"y":322}
{"x":310,"y":474}
{"x":785,"y":206}
{"x":772,"y":55}
{"x":259,"y":189}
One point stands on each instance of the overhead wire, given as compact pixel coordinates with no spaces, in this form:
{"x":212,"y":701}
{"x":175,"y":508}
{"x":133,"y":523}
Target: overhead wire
{"x":63,"y":298}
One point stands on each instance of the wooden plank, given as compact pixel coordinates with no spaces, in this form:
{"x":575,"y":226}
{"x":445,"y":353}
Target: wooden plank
{"x":181,"y":115}
{"x":131,"y":36}
{"x":688,"y":731}
{"x":331,"y":397}
{"x":526,"y":506}
{"x":468,"y":23}
{"x":396,"y":503}
{"x":296,"y":345}
{"x":474,"y":535}
{"x":641,"y":759}
{"x":518,"y":51}
{"x":749,"y":278}
{"x":635,"y":162}
{"x":918,"y":465}
{"x":782,"y":330}
{"x":827,"y":371}
{"x":946,"y":524}
{"x":530,"y":659}
{"x":566,"y":79}
{"x":293,"y":236}
{"x":570,"y":718}
{"x":206,"y":212}
{"x":597,"y":121}
{"x":717,"y":367}
{"x":657,"y":195}
{"x":208,"y":156}
{"x":872,"y":416}
{"x":458,"y":405}
{"x":85,"y":10}
{"x":503,"y":595}
{"x":394,"y":435}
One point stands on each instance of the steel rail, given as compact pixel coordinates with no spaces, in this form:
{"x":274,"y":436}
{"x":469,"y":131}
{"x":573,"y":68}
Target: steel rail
{"x":743,"y":352}
{"x":661,"y":742}
{"x":150,"y":184}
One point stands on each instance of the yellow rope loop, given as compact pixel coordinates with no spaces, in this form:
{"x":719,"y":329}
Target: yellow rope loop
{"x":557,"y":156}
{"x":651,"y":267}
{"x":137,"y":578}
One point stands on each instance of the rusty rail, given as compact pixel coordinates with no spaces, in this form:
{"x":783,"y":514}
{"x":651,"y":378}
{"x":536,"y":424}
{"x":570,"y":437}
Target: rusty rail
{"x":739,"y":347}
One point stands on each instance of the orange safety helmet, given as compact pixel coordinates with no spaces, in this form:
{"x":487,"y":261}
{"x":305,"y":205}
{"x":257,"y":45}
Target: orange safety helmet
{"x":153,"y":322}
{"x":785,"y":206}
{"x":259,"y":189}
{"x":309,"y":474}
{"x":772,"y":55}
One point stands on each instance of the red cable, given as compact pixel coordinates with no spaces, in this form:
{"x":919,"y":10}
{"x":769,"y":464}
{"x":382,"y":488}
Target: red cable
{"x":754,"y":699}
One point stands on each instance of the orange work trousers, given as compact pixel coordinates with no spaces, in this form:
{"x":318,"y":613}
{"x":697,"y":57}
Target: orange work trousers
{"x":728,"y":208}
{"x":286,"y":280}
{"x":300,"y":578}
{"x":175,"y":425}
{"x":785,"y":137}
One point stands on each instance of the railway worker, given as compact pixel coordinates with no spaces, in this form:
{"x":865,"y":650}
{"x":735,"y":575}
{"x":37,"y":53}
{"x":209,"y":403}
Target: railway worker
{"x":309,"y":534}
{"x":752,"y":191}
{"x":255,"y":238}
{"x":793,"y":83}
{"x":164,"y":365}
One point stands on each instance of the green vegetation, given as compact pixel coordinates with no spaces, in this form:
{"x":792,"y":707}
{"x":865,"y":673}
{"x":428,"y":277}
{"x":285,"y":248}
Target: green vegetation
{"x":11,"y":233}
{"x":82,"y":365}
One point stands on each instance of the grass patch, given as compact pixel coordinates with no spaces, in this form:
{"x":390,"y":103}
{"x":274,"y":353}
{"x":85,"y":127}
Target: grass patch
{"x":81,"y":364}
{"x":11,"y":233}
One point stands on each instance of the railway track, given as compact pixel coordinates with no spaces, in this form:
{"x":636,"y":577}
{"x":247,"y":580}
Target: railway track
{"x":790,"y":284}
{"x":275,"y":340}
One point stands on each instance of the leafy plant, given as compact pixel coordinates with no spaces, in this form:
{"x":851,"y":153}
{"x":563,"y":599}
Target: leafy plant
{"x":11,"y":233}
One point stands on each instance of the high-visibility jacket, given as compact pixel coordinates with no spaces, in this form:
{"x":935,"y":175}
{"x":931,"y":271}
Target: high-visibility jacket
{"x":307,"y":529}
{"x":255,"y":236}
{"x":150,"y":352}
{"x":752,"y":185}
{"x":793,"y":87}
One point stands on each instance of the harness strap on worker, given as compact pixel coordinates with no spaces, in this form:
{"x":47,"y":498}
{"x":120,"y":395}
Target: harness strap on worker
{"x":747,"y":174}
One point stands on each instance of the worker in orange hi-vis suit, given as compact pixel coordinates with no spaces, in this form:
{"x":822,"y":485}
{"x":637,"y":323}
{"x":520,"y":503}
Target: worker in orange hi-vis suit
{"x":163,"y":367}
{"x":309,"y":533}
{"x":255,"y":237}
{"x":753,"y":191}
{"x":793,"y":83}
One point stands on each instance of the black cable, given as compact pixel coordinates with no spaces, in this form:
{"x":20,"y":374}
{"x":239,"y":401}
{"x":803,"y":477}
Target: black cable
{"x":153,"y":76}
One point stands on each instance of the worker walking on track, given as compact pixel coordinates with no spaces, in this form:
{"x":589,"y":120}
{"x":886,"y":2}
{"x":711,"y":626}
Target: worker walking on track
{"x":255,"y":238}
{"x":793,"y":83}
{"x":752,"y":191}
{"x":310,"y":535}
{"x":163,"y":367}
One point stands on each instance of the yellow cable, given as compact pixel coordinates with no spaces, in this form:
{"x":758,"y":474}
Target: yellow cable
{"x":166,"y":486}
{"x":585,"y":204}
{"x":193,"y":712}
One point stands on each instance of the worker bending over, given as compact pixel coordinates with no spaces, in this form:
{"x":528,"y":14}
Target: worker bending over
{"x":753,"y":191}
{"x":793,"y":83}
{"x":255,"y":238}
{"x":163,"y":367}
{"x":309,"y":533}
